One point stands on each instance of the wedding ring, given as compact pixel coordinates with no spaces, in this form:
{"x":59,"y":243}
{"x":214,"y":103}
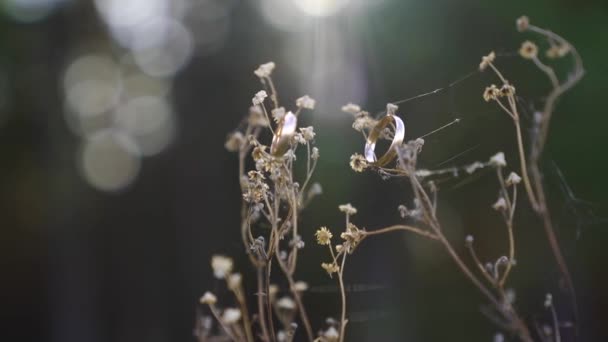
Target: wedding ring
{"x":374,"y":135}
{"x":282,"y":137}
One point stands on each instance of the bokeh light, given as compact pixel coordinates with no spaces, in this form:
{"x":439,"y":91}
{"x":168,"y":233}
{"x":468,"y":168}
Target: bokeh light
{"x":109,"y":160}
{"x":320,"y":8}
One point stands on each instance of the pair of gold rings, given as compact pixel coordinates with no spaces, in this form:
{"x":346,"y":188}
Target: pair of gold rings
{"x":287,"y":129}
{"x":376,"y":133}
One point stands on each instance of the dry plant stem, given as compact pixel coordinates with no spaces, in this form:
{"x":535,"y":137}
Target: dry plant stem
{"x":226,"y":329}
{"x":268,"y":304}
{"x":509,"y":312}
{"x":558,"y":337}
{"x":343,"y":296}
{"x":401,"y":227}
{"x":483,"y":271}
{"x":296,"y":295}
{"x":538,"y":148}
{"x":261,"y":313}
{"x":246,"y":320}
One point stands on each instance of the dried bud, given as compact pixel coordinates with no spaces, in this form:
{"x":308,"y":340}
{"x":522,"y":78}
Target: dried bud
{"x":259,"y":97}
{"x":500,"y":204}
{"x":351,"y":108}
{"x":522,"y":23}
{"x":498,"y":160}
{"x":391,"y":108}
{"x":222,"y":266}
{"x":231,"y":316}
{"x":306,"y":102}
{"x":513,"y":179}
{"x":528,"y":50}
{"x":264,"y":70}
{"x":208,"y":298}
{"x":487,"y":60}
{"x":348,"y":209}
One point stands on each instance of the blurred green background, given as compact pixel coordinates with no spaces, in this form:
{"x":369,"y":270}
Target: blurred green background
{"x":116,"y":188}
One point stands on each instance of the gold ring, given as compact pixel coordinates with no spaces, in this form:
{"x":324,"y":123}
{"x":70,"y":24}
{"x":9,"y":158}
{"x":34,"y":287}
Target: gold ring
{"x":285,"y":131}
{"x":374,"y":135}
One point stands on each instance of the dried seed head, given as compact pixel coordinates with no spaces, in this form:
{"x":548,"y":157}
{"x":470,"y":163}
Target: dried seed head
{"x":264,"y":70}
{"x":315,"y":153}
{"x":257,"y":117}
{"x":234,"y":141}
{"x":500,"y":204}
{"x":208,"y":298}
{"x":259,"y":97}
{"x":348,"y":209}
{"x":234,"y":281}
{"x":491,"y":93}
{"x":231,"y":316}
{"x":286,"y":303}
{"x":323,"y":236}
{"x":278,"y":114}
{"x":528,"y":50}
{"x":330,"y":268}
{"x":331,"y":335}
{"x":487,"y":60}
{"x":222,"y":266}
{"x":507,"y":90}
{"x":498,"y":160}
{"x":557,"y":51}
{"x":469,"y":240}
{"x":358,"y":162}
{"x":548,"y":300}
{"x":306,"y":102}
{"x":300,"y":286}
{"x":522,"y":23}
{"x":391,"y":108}
{"x":513,"y":179}
{"x":308,"y":133}
{"x":351,"y":108}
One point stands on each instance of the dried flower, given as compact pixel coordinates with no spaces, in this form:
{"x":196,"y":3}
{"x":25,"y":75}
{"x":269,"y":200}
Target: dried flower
{"x":513,"y":179}
{"x":331,"y":335}
{"x":323,"y":236}
{"x":315,"y":153}
{"x":330,"y":268}
{"x":469,"y":240}
{"x":234,"y":281}
{"x":273,"y":289}
{"x":498,"y":160}
{"x":348,"y":209}
{"x":231,"y":315}
{"x":286,"y":303}
{"x":500,"y":204}
{"x":234,"y":141}
{"x":507,"y":90}
{"x":351,"y":108}
{"x":278,"y":114}
{"x":222,"y":266}
{"x":491,"y":93}
{"x":264,"y":70}
{"x":299,"y":138}
{"x":352,"y":237}
{"x":487,"y":60}
{"x":528,"y":50}
{"x":339,"y":248}
{"x":358,"y":162}
{"x":391,"y":108}
{"x":364,"y":122}
{"x":306,"y":102}
{"x":259,"y":97}
{"x":308,"y":133}
{"x":259,"y":152}
{"x":558,"y":50}
{"x":300,"y":286}
{"x":257,"y":117}
{"x":522,"y":23}
{"x":208,"y":298}
{"x":548,"y":300}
